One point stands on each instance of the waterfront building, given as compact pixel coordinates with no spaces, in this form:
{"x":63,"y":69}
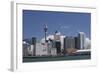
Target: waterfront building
{"x":41,"y":49}
{"x":57,"y":41}
{"x":53,"y":52}
{"x":81,"y":37}
{"x":33,"y":41}
{"x":30,"y":50}
{"x":32,"y":47}
{"x":69,"y":42}
{"x":77,"y":44}
{"x":57,"y":36}
{"x":25,"y":48}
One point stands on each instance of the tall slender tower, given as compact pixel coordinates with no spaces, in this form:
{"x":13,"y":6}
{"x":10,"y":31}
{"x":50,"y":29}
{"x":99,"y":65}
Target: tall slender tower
{"x":45,"y":31}
{"x":81,"y":37}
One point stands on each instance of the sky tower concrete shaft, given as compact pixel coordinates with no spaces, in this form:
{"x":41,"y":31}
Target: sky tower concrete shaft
{"x":45,"y":31}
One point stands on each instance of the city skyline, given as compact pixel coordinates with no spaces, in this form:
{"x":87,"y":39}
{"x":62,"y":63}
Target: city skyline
{"x":68,"y":23}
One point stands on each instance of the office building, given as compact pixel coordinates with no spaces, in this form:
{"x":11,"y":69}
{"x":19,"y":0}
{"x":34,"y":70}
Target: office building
{"x":53,"y":51}
{"x":57,"y":36}
{"x":41,"y":49}
{"x":69,"y":42}
{"x":25,"y":48}
{"x":58,"y":46}
{"x":32,"y":48}
{"x":57,"y":42}
{"x":34,"y":45}
{"x":77,"y":44}
{"x":81,"y":37}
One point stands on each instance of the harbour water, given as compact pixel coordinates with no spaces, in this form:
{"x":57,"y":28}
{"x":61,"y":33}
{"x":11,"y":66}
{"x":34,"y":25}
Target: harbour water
{"x":55,"y":58}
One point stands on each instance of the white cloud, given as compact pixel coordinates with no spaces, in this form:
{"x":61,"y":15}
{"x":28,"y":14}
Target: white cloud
{"x":52,"y":37}
{"x":87,"y":43}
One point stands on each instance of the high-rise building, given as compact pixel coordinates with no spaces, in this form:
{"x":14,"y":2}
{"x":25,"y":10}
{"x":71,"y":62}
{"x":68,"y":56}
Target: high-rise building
{"x":57,"y":41}
{"x":81,"y":37}
{"x":25,"y":48}
{"x":49,"y":46}
{"x":51,"y":49}
{"x":34,"y":44}
{"x":77,"y":43}
{"x":57,"y":36}
{"x":32,"y":49}
{"x":69,"y":42}
{"x":58,"y":46}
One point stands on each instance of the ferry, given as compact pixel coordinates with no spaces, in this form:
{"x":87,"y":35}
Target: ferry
{"x":83,"y":52}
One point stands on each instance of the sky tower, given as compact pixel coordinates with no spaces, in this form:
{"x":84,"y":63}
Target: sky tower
{"x":45,"y":31}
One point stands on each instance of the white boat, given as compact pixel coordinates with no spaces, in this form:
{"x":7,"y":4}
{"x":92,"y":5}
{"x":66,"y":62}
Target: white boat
{"x":83,"y":52}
